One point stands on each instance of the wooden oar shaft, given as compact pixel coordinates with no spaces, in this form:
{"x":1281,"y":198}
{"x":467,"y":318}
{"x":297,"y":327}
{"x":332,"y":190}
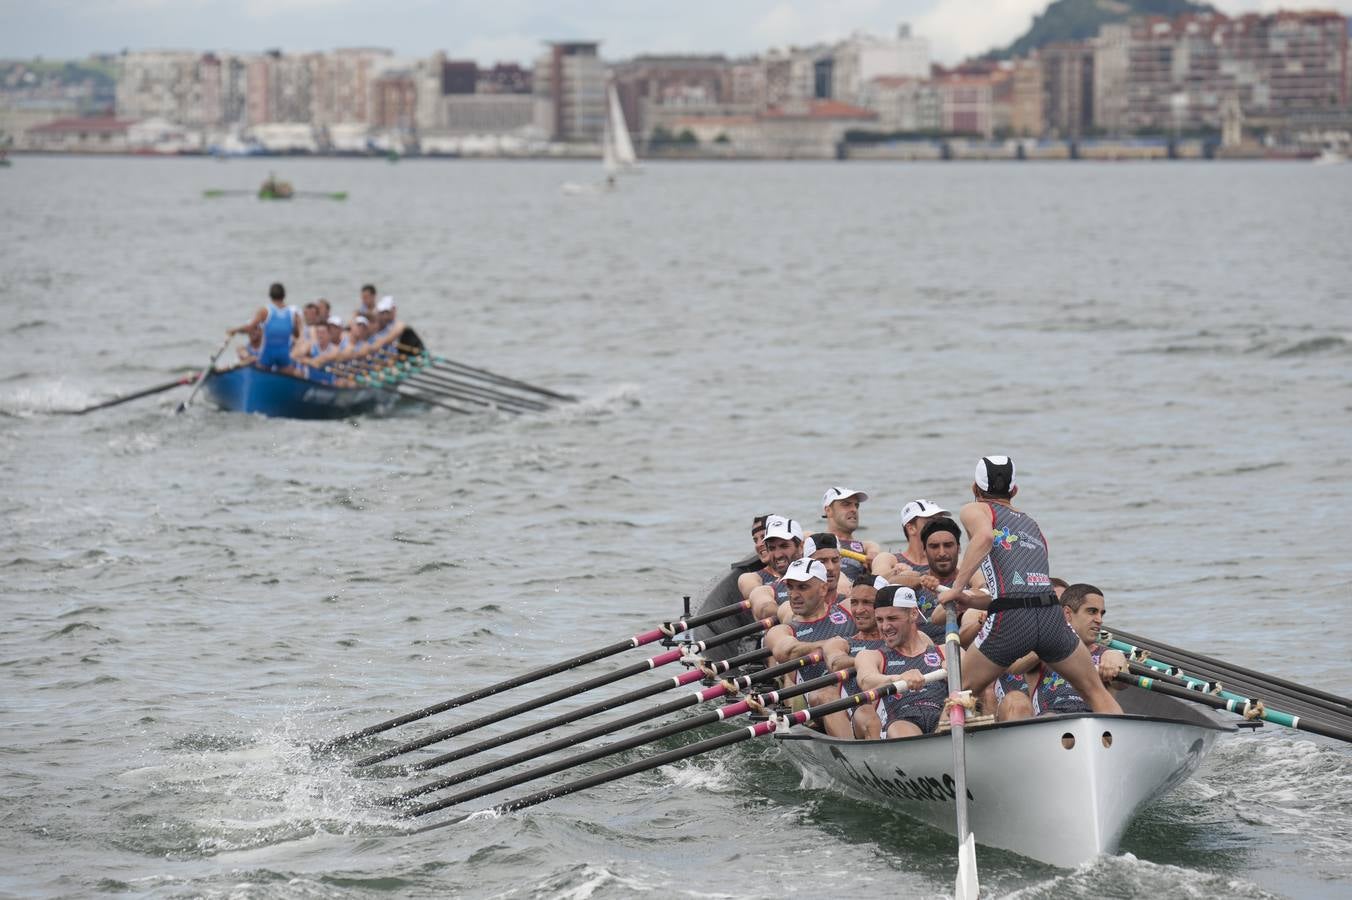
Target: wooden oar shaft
{"x":564,"y":693}
{"x":648,"y":737}
{"x":850,"y":554}
{"x":638,"y":640}
{"x":1244,"y":707}
{"x":643,"y":693}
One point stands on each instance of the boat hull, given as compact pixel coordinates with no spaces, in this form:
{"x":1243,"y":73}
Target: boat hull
{"x":1059,"y":789}
{"x":253,"y":390}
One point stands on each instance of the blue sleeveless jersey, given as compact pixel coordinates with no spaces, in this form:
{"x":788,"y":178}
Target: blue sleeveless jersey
{"x":277,"y":337}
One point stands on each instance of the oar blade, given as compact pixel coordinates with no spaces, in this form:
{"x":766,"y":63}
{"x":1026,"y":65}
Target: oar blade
{"x":967,"y":886}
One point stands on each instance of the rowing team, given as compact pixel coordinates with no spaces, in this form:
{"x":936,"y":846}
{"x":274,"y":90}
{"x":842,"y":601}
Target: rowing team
{"x":315,"y":344}
{"x":1028,"y":641}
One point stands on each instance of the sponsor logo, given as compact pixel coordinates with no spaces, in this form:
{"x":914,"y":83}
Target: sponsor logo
{"x":1017,"y":579}
{"x":1038,"y":579}
{"x":839,"y":616}
{"x":932,"y":658}
{"x":924,"y":789}
{"x":1031,"y":541}
{"x":1004,"y":538}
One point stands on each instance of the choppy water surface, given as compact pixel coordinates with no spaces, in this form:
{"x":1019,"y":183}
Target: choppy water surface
{"x":1165,"y":350}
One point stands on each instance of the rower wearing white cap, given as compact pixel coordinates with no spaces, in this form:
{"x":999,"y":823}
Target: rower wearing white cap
{"x":840,"y":509}
{"x":783,"y":544}
{"x":1024,"y":615}
{"x":813,"y":623}
{"x":864,"y":719}
{"x":907,"y":657}
{"x":905,"y":566}
{"x":386,"y":326}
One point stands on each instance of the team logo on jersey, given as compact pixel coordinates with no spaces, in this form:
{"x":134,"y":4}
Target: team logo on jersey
{"x":932,"y":658}
{"x":1004,"y":538}
{"x":839,"y":616}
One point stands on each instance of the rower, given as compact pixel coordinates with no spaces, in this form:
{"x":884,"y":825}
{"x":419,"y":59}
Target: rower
{"x":898,"y":567}
{"x":281,"y":326}
{"x":1008,"y":547}
{"x":325,"y":309}
{"x":840,"y":509}
{"x":783,"y":544}
{"x":322,"y":347}
{"x":813,"y":623}
{"x":386,"y":326}
{"x":942,"y":539}
{"x":906,"y":657}
{"x":367,"y":304}
{"x":749,"y":581}
{"x":825,"y":549}
{"x":863,"y":719}
{"x":1084,"y":607}
{"x":249,"y":352}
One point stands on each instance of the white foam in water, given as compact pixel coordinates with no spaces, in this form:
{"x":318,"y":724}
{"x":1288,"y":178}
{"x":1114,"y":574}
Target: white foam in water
{"x":50,"y":397}
{"x":1127,"y":876}
{"x":715,"y":778}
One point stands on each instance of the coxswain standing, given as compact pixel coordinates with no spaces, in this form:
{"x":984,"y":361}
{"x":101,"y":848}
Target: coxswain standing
{"x":814,"y":624}
{"x":1024,"y":616}
{"x":907,"y":657}
{"x":840,"y":509}
{"x":281,"y":326}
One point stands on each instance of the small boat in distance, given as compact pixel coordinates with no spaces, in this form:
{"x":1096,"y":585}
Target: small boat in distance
{"x":617,"y":150}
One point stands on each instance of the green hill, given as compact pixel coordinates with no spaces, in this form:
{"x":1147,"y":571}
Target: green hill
{"x":1075,"y":20}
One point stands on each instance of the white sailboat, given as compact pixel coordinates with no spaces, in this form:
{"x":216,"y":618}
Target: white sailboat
{"x":621,"y":146}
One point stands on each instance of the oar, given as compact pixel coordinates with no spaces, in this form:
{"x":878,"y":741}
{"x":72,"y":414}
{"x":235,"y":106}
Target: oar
{"x":442,"y":362}
{"x":850,"y":554}
{"x":408,"y":382}
{"x":478,"y":390}
{"x":178,"y":382}
{"x":642,"y":693}
{"x":1303,"y":705}
{"x":648,"y":737}
{"x":667,"y":629}
{"x":1342,"y":704}
{"x":760,"y":729}
{"x":966,"y":886}
{"x":385,"y":378}
{"x":203,"y":377}
{"x":326,"y":195}
{"x":1248,"y":708}
{"x":216,"y":192}
{"x":563,"y":693}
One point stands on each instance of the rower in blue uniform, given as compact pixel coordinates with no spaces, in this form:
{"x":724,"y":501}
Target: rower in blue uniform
{"x":281,"y":326}
{"x":814,"y":624}
{"x":907,"y":657}
{"x":1024,"y":615}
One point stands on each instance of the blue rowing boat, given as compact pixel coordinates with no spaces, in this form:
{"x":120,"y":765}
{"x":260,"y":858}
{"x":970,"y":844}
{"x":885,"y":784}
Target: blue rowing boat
{"x":253,"y":390}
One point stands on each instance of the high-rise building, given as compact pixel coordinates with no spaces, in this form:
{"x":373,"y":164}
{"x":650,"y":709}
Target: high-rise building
{"x":1068,"y":88}
{"x":570,"y":91}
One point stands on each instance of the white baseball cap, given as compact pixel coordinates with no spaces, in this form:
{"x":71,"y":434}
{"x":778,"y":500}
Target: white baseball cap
{"x":824,"y":541}
{"x":921,"y":509}
{"x":386,"y":304}
{"x":879,"y":582}
{"x":782,"y":528}
{"x":362,"y":320}
{"x":805,"y":570}
{"x":839,"y":493}
{"x":896,"y":595}
{"x":335,"y":320}
{"x":996,"y":470}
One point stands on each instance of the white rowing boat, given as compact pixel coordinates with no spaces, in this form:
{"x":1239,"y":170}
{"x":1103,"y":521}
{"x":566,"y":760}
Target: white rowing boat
{"x":1059,"y":789}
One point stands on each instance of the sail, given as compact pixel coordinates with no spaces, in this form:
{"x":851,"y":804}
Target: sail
{"x":619,"y":131}
{"x":608,"y":159}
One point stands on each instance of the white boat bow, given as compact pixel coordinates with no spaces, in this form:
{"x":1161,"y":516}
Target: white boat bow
{"x":1059,"y":789}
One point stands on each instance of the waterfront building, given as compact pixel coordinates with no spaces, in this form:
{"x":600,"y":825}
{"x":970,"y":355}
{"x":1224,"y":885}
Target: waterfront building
{"x":1111,"y":68}
{"x":1068,"y":88}
{"x":861,"y":58}
{"x":395,"y":99}
{"x":1027,"y":99}
{"x":653,"y":88}
{"x":904,"y":104}
{"x":85,"y":134}
{"x":570,"y":91}
{"x":967,"y":104}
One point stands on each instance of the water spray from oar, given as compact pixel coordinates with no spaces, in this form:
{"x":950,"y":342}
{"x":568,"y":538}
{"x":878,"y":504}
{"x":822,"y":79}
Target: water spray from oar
{"x":754,"y":703}
{"x":158,"y":389}
{"x":666,"y":629}
{"x":769,"y":726}
{"x":563,"y":693}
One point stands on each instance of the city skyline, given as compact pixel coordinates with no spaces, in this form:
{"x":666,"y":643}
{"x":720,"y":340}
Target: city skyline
{"x":513,"y":30}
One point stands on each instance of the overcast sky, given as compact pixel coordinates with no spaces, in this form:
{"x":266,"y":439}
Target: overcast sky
{"x":511,"y":30}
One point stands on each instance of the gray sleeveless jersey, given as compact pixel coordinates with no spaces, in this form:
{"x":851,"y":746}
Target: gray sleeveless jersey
{"x":1017,"y":565}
